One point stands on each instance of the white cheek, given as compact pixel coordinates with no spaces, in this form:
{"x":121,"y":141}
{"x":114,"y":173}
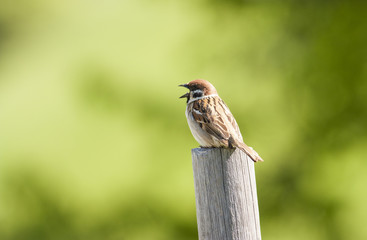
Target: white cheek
{"x":197,"y":91}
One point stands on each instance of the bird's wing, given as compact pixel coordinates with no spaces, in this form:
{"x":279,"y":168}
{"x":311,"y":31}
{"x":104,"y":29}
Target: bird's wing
{"x":212,"y":117}
{"x":235,"y":131}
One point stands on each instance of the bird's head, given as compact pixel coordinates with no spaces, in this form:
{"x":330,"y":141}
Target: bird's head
{"x":198,"y":88}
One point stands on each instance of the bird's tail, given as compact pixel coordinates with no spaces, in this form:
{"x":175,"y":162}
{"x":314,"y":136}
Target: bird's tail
{"x":249,"y":151}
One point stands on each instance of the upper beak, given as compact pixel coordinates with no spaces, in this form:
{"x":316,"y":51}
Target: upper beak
{"x":186,"y":95}
{"x":184,"y":85}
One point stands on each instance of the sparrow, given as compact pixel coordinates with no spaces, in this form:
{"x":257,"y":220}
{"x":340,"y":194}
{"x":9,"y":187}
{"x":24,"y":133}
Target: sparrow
{"x":210,"y":120}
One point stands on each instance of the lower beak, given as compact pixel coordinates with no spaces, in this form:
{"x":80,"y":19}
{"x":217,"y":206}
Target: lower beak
{"x":186,"y":95}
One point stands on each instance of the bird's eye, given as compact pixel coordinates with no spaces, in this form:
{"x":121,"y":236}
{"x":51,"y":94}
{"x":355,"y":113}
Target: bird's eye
{"x":198,"y":94}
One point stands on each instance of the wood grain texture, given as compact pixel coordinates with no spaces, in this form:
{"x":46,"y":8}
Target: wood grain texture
{"x":226,"y":198}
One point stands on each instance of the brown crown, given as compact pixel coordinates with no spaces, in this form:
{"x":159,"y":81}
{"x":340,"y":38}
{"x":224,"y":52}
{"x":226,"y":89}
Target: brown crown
{"x":203,"y":85}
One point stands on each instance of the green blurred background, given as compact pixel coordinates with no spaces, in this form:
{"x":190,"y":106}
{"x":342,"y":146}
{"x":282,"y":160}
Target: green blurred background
{"x":94,"y":142}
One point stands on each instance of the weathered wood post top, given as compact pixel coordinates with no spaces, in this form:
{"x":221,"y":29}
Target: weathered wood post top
{"x":226,"y":198}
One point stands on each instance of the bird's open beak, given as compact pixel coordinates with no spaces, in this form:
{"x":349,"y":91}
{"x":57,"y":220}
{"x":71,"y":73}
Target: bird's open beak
{"x":184,"y":85}
{"x":186,"y":95}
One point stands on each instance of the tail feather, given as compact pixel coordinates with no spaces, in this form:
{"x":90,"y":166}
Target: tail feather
{"x":249,"y":151}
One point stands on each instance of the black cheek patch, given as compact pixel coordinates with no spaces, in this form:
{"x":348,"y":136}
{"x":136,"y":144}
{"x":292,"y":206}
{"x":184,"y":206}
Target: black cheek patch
{"x":198,"y":94}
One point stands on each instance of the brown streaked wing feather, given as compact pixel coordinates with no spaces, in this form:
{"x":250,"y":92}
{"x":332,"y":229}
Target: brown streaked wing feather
{"x":237,"y":133}
{"x":211,"y":121}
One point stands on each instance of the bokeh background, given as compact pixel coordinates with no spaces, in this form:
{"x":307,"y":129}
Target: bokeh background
{"x":94,"y":142}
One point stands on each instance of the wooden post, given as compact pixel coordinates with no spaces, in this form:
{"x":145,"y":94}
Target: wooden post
{"x":226,"y":198}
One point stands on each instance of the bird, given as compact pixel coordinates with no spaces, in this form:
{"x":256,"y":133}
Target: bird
{"x":210,"y":120}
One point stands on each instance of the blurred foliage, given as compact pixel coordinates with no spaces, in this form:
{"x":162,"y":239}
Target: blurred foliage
{"x":94,"y":142}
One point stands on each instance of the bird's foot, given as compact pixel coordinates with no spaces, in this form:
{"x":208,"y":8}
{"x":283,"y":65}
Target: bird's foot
{"x":205,"y":147}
